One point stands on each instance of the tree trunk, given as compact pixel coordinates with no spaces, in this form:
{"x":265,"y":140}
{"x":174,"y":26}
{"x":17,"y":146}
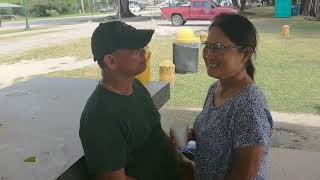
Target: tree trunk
{"x":315,"y":9}
{"x":268,"y":2}
{"x":242,"y":5}
{"x":307,"y":8}
{"x":311,"y":8}
{"x":235,"y":3}
{"x":124,"y":9}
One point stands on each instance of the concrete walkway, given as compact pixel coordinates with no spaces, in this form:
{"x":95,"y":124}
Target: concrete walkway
{"x":288,"y":164}
{"x":24,"y":69}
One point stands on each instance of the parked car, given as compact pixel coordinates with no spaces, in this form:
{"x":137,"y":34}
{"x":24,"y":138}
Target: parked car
{"x":182,"y":4}
{"x":164,"y":4}
{"x":174,"y":4}
{"x":253,"y":3}
{"x":8,"y":17}
{"x":226,"y":3}
{"x":141,"y":4}
{"x":197,"y":10}
{"x":134,"y":8}
{"x":105,"y":10}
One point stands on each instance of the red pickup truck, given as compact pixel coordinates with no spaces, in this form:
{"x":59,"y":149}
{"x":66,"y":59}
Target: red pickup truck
{"x":195,"y":10}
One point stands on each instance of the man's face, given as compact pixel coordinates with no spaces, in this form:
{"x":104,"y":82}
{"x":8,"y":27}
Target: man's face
{"x":130,"y":62}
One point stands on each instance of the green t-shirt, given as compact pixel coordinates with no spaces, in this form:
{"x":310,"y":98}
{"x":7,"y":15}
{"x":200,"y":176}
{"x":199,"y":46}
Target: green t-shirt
{"x":119,"y":131}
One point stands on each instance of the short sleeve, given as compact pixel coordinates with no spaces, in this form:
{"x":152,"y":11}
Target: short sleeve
{"x":104,"y":146}
{"x":252,"y":124}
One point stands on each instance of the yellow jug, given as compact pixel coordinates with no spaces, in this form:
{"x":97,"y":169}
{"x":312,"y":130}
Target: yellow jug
{"x":167,"y":72}
{"x":145,"y":76}
{"x":285,"y":31}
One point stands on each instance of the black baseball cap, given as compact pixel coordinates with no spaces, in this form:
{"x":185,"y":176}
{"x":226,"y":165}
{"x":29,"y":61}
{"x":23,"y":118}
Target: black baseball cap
{"x":111,"y":36}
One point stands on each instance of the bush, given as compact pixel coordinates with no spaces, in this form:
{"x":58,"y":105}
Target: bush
{"x":52,"y":12}
{"x":40,"y":10}
{"x":50,"y":9}
{"x":66,"y":9}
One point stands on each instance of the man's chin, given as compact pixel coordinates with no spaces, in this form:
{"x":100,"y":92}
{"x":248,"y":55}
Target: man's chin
{"x":211,"y":74}
{"x":140,"y":71}
{"x":143,"y":67}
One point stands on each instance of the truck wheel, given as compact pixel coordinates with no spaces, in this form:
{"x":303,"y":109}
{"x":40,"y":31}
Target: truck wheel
{"x":176,"y":20}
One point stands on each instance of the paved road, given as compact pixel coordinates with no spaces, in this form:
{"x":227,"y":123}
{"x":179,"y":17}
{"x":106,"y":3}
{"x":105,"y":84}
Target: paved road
{"x":67,"y":33}
{"x":71,"y":20}
{"x":50,"y":22}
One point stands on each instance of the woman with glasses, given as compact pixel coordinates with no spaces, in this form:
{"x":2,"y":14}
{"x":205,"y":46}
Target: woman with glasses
{"x":234,"y":128}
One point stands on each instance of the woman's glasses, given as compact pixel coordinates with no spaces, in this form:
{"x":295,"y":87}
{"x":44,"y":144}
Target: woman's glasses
{"x":217,"y":47}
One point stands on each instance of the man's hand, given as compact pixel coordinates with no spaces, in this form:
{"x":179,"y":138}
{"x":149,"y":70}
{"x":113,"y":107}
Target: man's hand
{"x":187,"y":168}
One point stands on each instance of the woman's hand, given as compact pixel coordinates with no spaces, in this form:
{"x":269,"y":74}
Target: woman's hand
{"x":187,"y":166}
{"x":190,"y":136}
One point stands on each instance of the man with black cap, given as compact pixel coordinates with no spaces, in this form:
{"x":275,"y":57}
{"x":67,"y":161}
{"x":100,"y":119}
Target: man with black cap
{"x":120,"y":128}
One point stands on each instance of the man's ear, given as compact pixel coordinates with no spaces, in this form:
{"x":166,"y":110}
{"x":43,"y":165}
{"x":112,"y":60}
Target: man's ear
{"x":110,"y":61}
{"x":247,"y":53}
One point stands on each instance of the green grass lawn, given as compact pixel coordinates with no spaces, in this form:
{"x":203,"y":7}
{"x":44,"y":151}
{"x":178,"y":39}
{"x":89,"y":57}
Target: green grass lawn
{"x":78,"y":48}
{"x":288,"y":70}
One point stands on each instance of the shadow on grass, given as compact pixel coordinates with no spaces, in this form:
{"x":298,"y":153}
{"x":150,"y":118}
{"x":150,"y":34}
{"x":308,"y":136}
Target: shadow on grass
{"x":259,"y":12}
{"x":317,"y":107}
{"x":257,"y":15}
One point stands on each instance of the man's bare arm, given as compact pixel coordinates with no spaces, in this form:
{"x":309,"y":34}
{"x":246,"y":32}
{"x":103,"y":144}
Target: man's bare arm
{"x":115,"y":175}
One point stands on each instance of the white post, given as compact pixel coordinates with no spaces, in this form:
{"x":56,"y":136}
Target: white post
{"x":82,"y":6}
{"x":119,"y":6}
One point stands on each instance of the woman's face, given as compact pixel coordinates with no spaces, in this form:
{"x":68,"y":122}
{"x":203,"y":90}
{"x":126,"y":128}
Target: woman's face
{"x":222,"y":57}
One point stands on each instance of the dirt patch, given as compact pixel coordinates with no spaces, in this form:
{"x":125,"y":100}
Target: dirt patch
{"x":289,"y":139}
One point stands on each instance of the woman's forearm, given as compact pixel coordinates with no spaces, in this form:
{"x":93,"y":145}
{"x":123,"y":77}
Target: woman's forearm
{"x":247,"y":163}
{"x":238,"y":176}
